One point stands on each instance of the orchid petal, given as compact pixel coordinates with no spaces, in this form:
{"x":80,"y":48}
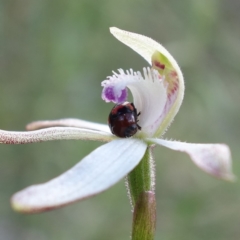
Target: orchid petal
{"x":161,"y":60}
{"x":68,"y":122}
{"x":214,"y":159}
{"x":149,"y":92}
{"x":143,"y":45}
{"x":98,"y":171}
{"x":55,"y":133}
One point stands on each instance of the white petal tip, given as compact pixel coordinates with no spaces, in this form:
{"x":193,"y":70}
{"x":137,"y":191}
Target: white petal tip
{"x":21,"y":202}
{"x":229,"y":177}
{"x":20,"y":207}
{"x":112,"y":29}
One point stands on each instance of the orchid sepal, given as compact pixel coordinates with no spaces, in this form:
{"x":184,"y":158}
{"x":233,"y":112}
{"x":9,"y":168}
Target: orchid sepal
{"x":214,"y":159}
{"x":95,"y":173}
{"x":68,"y":122}
{"x":52,"y":134}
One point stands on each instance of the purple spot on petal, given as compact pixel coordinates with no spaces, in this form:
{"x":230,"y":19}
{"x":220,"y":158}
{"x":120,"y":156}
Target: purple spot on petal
{"x":109,"y":95}
{"x":123,"y":96}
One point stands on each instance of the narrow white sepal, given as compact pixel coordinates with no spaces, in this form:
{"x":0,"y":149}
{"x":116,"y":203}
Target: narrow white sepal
{"x":68,"y":122}
{"x":98,"y":171}
{"x":54,"y":133}
{"x":214,"y":159}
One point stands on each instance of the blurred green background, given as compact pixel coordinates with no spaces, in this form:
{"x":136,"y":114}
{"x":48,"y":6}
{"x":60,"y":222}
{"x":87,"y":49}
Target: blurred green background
{"x":53,"y":57}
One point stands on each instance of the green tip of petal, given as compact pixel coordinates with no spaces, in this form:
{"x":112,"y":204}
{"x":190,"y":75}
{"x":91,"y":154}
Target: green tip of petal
{"x":16,"y":207}
{"x":229,"y":177}
{"x":19,"y":208}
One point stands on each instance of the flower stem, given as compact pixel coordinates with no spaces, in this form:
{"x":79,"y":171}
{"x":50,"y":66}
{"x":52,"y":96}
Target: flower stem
{"x":141,"y":184}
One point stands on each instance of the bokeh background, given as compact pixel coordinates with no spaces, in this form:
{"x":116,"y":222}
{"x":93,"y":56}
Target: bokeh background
{"x":53,"y":57}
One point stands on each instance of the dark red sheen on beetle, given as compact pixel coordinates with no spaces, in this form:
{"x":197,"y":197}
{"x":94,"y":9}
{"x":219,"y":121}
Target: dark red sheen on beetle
{"x":123,"y":120}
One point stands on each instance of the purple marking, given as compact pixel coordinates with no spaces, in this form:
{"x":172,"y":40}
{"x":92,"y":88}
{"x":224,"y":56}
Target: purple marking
{"x":109,"y":95}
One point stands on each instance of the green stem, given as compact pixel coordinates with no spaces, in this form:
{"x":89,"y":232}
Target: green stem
{"x":141,"y":184}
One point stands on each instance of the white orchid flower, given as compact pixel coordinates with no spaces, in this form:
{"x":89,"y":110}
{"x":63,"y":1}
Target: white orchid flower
{"x":157,"y":95}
